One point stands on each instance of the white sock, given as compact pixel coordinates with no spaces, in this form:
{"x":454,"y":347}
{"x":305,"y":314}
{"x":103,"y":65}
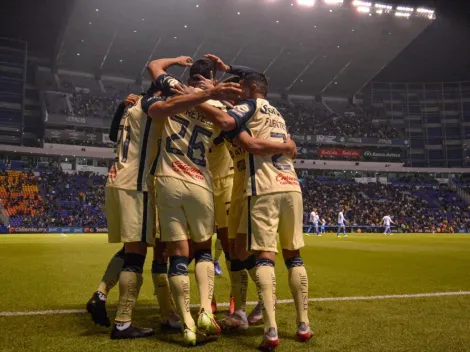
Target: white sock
{"x":123,"y":326}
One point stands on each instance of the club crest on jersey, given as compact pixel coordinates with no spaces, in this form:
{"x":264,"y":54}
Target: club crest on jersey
{"x":182,"y":168}
{"x":285,"y":179}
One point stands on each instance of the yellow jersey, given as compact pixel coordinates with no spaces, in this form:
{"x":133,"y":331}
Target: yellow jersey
{"x":265,"y":174}
{"x":220,"y":161}
{"x":185,"y":142}
{"x":136,"y":147}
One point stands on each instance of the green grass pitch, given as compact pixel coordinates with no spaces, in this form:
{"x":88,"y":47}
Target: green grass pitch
{"x":54,"y":272}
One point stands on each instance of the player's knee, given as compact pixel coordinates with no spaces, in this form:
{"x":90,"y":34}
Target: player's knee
{"x":250,"y":262}
{"x":178,"y":266}
{"x":241,"y":247}
{"x":203,"y":255}
{"x":266,"y":255}
{"x":136,"y":248}
{"x":288,"y":254}
{"x":294,"y":262}
{"x":133,"y":262}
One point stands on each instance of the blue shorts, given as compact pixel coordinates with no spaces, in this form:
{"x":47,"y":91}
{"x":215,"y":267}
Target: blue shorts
{"x":340,"y":224}
{"x":315,"y":224}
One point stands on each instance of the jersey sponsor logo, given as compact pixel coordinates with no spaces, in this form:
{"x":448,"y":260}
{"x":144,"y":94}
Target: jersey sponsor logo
{"x":285,"y":179}
{"x":266,"y":109}
{"x":182,"y":168}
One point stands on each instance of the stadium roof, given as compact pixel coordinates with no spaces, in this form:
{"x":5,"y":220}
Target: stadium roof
{"x":327,"y":49}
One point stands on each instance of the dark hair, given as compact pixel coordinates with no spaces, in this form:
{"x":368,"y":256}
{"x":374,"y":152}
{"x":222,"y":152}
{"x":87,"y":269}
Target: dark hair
{"x":202,"y":67}
{"x":259,"y":79}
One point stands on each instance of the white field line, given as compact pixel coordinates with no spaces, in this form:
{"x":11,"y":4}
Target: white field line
{"x":252,"y":303}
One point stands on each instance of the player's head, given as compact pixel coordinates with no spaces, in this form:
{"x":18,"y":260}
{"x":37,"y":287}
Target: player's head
{"x":254,"y":85}
{"x":204,"y":67}
{"x":232,"y":79}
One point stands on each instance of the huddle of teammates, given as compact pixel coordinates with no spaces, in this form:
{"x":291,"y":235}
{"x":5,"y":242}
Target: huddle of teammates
{"x":191,"y":158}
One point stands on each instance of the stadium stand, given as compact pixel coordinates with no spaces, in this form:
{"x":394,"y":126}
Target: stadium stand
{"x":416,"y":203}
{"x":414,"y":207}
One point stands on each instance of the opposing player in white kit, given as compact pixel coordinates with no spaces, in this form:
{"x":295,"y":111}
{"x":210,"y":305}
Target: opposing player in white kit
{"x":386,"y":221}
{"x":341,"y":221}
{"x":311,"y":221}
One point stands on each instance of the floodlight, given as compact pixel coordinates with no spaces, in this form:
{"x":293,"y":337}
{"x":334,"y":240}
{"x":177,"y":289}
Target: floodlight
{"x":309,"y":3}
{"x":379,"y":11}
{"x":361,"y":3}
{"x":405,"y":8}
{"x":403,"y":14}
{"x":363,"y":9}
{"x":333,"y":2}
{"x":383,"y":6}
{"x":426,"y":11}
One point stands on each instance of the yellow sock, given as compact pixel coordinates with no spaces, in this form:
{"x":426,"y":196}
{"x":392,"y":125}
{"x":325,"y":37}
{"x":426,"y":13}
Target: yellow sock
{"x":179,"y":284}
{"x":111,"y":275}
{"x":228,"y":263}
{"x":266,"y":284}
{"x":239,"y":285}
{"x":250,"y":265}
{"x":298,"y":282}
{"x":204,"y":270}
{"x":180,"y":290}
{"x":129,"y":287}
{"x":161,"y":286}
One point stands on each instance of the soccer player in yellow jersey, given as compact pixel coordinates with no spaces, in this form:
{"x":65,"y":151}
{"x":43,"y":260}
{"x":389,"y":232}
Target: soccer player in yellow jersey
{"x":185,"y":192}
{"x":97,"y":304}
{"x":127,"y":210}
{"x":274,"y":205}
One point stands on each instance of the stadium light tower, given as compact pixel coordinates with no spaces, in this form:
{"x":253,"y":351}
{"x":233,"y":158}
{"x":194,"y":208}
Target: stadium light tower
{"x":307,"y":3}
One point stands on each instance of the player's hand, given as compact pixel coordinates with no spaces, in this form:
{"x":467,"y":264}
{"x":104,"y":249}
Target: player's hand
{"x":226,"y":91}
{"x":184,"y":61}
{"x":205,"y":83}
{"x":219,"y":64}
{"x":131,"y":99}
{"x":292,"y":151}
{"x":181,"y":89}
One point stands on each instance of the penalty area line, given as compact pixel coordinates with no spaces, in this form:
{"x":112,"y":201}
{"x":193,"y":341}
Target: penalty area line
{"x":252,"y":303}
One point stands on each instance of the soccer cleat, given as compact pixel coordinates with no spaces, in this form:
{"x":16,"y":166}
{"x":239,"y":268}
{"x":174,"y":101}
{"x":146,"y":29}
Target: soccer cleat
{"x":233,"y":322}
{"x":207,"y":325}
{"x":214,"y":305}
{"x":231,"y":308}
{"x":173,"y":321}
{"x":270,"y":341}
{"x":96,"y":306}
{"x":131,"y":332}
{"x":190,"y":336}
{"x":256,"y":315}
{"x":345,"y":235}
{"x":217,"y":268}
{"x":304,"y":333}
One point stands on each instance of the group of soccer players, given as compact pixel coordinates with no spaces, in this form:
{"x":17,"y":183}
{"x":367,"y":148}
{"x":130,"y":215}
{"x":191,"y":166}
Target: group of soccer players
{"x":191,"y":158}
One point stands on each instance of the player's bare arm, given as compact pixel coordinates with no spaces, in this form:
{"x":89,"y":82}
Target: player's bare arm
{"x":160,"y":66}
{"x":181,"y":103}
{"x":258,"y":146}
